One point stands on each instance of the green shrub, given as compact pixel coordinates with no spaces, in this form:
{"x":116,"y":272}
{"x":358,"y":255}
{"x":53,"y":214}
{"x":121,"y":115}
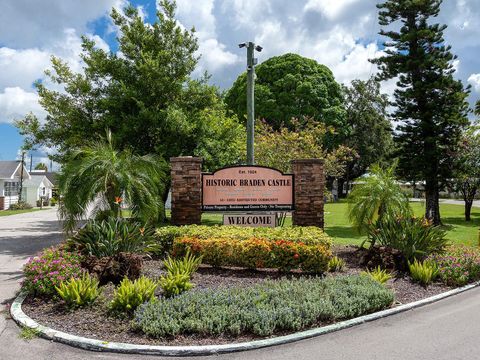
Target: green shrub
{"x":21,"y":205}
{"x":336,"y":264}
{"x":459,"y":265}
{"x":79,"y":292}
{"x":53,"y":201}
{"x":262,"y":309}
{"x":308,"y":235}
{"x":187,"y":265}
{"x":256,"y":253}
{"x":423,"y":272}
{"x":129,"y":295}
{"x":113,"y":236}
{"x":414,"y":238}
{"x":377,"y":274}
{"x":175,"y":284}
{"x":49,"y":269}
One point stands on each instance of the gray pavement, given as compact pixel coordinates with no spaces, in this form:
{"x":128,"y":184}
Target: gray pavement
{"x":448,"y":330}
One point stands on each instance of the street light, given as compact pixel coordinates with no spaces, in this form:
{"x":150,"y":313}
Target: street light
{"x":251,"y":62}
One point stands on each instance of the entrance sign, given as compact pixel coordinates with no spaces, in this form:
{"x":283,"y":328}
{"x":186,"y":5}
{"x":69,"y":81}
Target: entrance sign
{"x":252,"y":220}
{"x":252,"y":188}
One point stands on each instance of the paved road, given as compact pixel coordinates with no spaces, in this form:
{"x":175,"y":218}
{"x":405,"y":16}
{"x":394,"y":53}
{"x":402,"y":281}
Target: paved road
{"x":446,"y":330}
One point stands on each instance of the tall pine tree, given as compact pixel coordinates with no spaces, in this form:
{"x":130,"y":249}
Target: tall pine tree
{"x":429,"y":103}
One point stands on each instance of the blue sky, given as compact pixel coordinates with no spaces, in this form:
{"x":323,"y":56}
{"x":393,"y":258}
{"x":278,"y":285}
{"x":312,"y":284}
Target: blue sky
{"x":341,"y":34}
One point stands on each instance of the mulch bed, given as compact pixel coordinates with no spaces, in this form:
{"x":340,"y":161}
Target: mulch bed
{"x":95,"y":321}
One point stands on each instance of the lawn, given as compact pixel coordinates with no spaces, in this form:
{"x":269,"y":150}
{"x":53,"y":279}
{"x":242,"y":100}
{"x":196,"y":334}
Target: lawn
{"x":15,"y":212}
{"x":339,"y":228}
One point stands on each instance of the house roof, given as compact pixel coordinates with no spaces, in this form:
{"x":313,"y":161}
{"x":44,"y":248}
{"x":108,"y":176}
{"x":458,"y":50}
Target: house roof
{"x":36,"y":180}
{"x":52,"y":176}
{"x":8,"y":168}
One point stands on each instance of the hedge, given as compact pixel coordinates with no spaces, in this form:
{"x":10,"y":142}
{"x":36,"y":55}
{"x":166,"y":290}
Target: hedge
{"x":256,"y":253}
{"x":309,"y":235}
{"x":263,"y":309}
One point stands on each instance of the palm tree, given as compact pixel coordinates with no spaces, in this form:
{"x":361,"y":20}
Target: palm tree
{"x":98,"y":179}
{"x":378,"y":196}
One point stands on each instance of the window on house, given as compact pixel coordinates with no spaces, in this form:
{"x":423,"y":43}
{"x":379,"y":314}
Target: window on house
{"x":11,"y":188}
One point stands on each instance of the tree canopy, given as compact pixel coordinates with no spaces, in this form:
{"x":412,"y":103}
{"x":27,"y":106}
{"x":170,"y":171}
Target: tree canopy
{"x":291,"y":87}
{"x":430,"y":105}
{"x":369,"y":123}
{"x":143,"y":93}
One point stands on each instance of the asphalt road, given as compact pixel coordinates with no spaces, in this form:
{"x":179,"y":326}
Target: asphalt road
{"x":449,"y":329}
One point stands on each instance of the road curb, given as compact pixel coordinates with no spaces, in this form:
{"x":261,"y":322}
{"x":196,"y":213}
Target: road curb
{"x":98,"y":345}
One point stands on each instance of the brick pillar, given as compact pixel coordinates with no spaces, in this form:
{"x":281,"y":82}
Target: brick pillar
{"x":186,"y":190}
{"x":2,"y":203}
{"x":309,"y":192}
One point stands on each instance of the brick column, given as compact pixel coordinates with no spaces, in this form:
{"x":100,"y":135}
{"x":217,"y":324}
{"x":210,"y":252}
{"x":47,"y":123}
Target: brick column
{"x":2,"y":203}
{"x":309,"y":192}
{"x":186,"y":176}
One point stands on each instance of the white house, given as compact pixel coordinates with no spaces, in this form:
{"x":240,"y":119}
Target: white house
{"x":36,"y":188}
{"x":10,"y":174}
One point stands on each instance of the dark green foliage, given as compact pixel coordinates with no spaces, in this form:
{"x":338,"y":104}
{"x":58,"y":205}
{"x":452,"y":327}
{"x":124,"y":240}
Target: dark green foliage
{"x":414,"y":238}
{"x":369,"y":123}
{"x":114,"y":236}
{"x":291,"y":86}
{"x":263,"y":309}
{"x":145,"y":95}
{"x":430,"y":103}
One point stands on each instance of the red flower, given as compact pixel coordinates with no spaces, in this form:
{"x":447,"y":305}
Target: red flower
{"x":118,"y":200}
{"x":296,"y":256}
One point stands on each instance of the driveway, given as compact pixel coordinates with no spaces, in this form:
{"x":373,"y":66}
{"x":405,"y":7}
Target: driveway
{"x":446,"y":330}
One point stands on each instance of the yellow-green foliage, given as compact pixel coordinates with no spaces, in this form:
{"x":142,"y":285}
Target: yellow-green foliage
{"x":336,"y":264}
{"x":79,"y":292}
{"x":187,"y":265}
{"x":310,"y":235}
{"x":423,"y":272}
{"x":377,"y":274}
{"x":130,"y":294}
{"x":175,"y":284}
{"x":178,"y":275}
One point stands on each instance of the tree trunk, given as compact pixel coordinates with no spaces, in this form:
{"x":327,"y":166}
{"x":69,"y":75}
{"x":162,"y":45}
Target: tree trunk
{"x":468,"y":209}
{"x":432,"y":207}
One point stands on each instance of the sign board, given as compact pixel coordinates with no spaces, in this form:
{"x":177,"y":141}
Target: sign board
{"x":253,"y":220}
{"x":251,"y":188}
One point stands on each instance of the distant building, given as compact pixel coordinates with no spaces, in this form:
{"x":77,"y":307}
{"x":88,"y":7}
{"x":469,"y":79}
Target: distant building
{"x":37,"y":184}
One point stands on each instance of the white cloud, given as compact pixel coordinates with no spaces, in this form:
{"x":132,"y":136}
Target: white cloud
{"x":16,"y":102}
{"x":474,"y":80}
{"x":330,"y":9}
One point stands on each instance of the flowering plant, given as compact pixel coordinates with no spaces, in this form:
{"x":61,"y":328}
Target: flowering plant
{"x":256,"y":253}
{"x":458,"y":265}
{"x":49,"y":269}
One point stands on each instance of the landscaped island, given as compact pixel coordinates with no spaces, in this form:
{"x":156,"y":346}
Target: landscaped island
{"x":117,"y":281}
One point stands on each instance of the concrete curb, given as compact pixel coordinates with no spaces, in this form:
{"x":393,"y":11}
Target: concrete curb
{"x":97,"y":345}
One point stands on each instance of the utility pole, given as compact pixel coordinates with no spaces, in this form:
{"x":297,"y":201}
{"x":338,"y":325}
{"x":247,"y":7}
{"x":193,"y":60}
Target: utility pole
{"x":21,"y":177}
{"x":251,"y":62}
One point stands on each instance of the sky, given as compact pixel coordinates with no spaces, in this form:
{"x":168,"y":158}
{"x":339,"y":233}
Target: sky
{"x":342,"y":34}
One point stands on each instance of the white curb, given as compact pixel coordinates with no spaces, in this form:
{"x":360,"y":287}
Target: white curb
{"x":98,"y":345}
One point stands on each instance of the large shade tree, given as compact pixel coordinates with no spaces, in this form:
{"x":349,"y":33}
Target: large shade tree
{"x":291,"y":87}
{"x":143,"y":93}
{"x":430,"y":103}
{"x":370,"y":128}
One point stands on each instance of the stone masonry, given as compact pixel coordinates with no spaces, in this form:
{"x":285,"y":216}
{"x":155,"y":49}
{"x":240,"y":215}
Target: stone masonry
{"x":186,"y":176}
{"x":309,"y":180}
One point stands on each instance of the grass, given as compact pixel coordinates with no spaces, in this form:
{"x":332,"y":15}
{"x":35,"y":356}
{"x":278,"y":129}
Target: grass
{"x":28,"y":333}
{"x":338,"y":227}
{"x":15,"y":212}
